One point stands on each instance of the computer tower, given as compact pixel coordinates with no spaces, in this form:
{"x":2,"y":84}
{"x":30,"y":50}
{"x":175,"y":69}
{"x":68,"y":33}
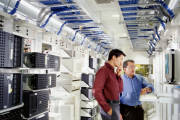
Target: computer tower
{"x":12,"y":115}
{"x":87,"y":93}
{"x":10,"y":90}
{"x":35,"y":81}
{"x":11,"y":50}
{"x":53,"y":62}
{"x":38,"y":81}
{"x":40,"y":60}
{"x":88,"y":79}
{"x":35,"y":60}
{"x":35,"y":102}
{"x":92,"y":63}
{"x":44,"y":116}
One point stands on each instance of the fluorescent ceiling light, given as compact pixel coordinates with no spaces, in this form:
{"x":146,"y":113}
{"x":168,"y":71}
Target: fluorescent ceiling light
{"x":172,"y":4}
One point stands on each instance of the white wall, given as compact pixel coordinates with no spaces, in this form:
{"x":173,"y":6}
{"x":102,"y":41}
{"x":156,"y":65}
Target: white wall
{"x":138,"y":57}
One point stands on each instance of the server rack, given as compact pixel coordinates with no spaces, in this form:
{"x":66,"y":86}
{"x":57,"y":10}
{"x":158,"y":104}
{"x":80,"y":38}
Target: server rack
{"x":10,"y":90}
{"x":35,"y":102}
{"x":38,"y":81}
{"x":40,"y":60}
{"x":92,"y":63}
{"x":11,"y":50}
{"x":87,"y":93}
{"x":88,"y":79}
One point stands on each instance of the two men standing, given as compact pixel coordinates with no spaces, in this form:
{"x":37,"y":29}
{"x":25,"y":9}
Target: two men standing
{"x":110,"y":90}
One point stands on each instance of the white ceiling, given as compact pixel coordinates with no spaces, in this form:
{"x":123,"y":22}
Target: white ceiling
{"x":109,"y":16}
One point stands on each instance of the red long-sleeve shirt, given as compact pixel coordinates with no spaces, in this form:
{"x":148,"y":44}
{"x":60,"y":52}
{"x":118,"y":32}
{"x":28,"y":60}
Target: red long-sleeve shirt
{"x":107,"y":86}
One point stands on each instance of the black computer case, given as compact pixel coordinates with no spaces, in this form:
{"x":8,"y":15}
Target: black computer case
{"x":35,"y":60}
{"x":53,"y":62}
{"x":88,"y":79}
{"x":10,"y":90}
{"x":35,"y":102}
{"x":40,"y":60}
{"x":11,"y":50}
{"x":87,"y":92}
{"x":92,"y":63}
{"x":38,"y":81}
{"x":11,"y":115}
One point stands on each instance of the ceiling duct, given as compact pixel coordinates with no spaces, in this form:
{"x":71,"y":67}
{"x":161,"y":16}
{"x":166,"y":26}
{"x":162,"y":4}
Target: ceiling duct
{"x":103,"y":1}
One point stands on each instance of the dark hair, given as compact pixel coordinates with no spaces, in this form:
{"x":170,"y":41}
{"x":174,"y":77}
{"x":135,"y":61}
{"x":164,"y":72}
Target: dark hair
{"x":125,"y":64}
{"x":115,"y":52}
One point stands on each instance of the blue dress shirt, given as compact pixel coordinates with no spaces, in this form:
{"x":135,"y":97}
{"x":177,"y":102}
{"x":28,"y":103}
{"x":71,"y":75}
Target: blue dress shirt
{"x":132,"y":89}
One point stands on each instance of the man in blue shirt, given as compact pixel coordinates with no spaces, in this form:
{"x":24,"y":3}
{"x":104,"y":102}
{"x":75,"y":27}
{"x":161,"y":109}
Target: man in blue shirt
{"x":133,"y":86}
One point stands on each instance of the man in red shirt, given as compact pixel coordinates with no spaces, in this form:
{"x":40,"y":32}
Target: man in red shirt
{"x":108,"y":86}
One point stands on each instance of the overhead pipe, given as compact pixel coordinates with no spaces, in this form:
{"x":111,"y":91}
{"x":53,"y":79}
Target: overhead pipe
{"x":139,"y":5}
{"x":154,"y":37}
{"x":72,"y":21}
{"x":35,"y":0}
{"x":83,"y":40}
{"x":73,"y":17}
{"x":60,"y":5}
{"x":62,"y":1}
{"x":141,"y":22}
{"x":33,"y":12}
{"x":58,"y":33}
{"x":74,"y":37}
{"x":91,"y":32}
{"x":81,"y":15}
{"x":165,"y":6}
{"x":135,"y":19}
{"x":137,"y":16}
{"x":67,"y":11}
{"x":135,"y":28}
{"x":24,"y":8}
{"x":162,"y":22}
{"x":55,"y":12}
{"x":85,"y":28}
{"x":139,"y":11}
{"x":47,"y":20}
{"x":13,"y":11}
{"x":156,"y":31}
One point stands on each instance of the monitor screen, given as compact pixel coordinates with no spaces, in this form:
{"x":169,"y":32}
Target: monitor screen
{"x":167,"y":64}
{"x":170,"y":66}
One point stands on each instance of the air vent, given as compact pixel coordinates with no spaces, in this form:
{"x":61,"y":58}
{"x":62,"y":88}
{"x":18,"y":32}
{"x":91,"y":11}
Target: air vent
{"x":103,"y":1}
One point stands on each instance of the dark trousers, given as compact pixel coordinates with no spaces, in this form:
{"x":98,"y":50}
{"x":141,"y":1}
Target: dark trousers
{"x":132,"y":112}
{"x":115,"y":113}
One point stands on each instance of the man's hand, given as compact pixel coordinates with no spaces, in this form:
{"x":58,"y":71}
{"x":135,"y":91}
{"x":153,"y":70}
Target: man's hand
{"x":110,"y":112}
{"x":145,"y":91}
{"x":121,"y":117}
{"x":118,"y":71}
